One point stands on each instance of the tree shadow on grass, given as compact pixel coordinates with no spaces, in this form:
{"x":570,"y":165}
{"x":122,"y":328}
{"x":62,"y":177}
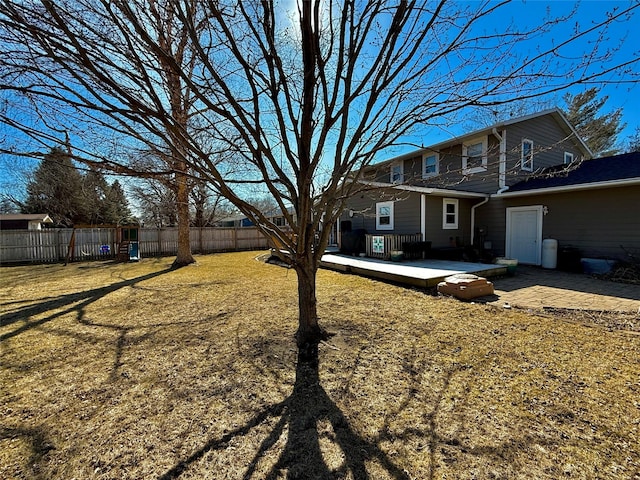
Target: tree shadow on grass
{"x":38,"y":443}
{"x":64,"y":304}
{"x":301,"y":414}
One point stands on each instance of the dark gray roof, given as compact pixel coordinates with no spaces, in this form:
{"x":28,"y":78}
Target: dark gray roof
{"x":606,"y":169}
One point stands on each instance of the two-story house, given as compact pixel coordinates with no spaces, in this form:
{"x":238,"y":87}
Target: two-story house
{"x":474,"y":190}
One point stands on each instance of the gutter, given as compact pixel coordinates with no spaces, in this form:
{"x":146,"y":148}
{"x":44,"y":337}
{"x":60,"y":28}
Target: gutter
{"x":426,"y":190}
{"x":628,"y":182}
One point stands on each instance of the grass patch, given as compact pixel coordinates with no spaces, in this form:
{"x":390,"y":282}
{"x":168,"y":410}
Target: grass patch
{"x":114,"y":371}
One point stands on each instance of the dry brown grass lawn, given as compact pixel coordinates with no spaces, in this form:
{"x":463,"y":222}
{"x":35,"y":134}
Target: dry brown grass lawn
{"x":114,"y":371}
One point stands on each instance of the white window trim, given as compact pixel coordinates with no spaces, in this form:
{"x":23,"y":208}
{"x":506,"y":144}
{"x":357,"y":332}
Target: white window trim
{"x":483,"y":167}
{"x":393,"y":165}
{"x":529,"y":167}
{"x":424,"y":164}
{"x":378,"y":207}
{"x":568,"y":155}
{"x":445,"y":202}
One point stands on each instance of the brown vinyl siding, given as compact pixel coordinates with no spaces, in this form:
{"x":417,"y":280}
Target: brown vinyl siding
{"x":550,"y":142}
{"x":491,"y":217}
{"x":407,"y":220}
{"x":451,"y":175}
{"x":440,"y":237}
{"x":599,"y":222}
{"x":406,"y":211}
{"x":412,"y":170}
{"x":364,"y":212}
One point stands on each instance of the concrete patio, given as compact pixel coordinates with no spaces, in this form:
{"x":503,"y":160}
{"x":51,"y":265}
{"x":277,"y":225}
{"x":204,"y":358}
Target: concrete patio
{"x":417,"y":273}
{"x":530,"y":287}
{"x":535,"y":287}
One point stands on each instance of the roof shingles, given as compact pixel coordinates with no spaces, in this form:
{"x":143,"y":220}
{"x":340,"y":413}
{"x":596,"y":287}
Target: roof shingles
{"x":606,"y":169}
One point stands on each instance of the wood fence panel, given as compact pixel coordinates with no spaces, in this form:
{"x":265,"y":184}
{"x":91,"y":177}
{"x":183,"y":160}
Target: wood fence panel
{"x":43,"y":246}
{"x":250,"y":239}
{"x":89,"y":243}
{"x":51,"y":245}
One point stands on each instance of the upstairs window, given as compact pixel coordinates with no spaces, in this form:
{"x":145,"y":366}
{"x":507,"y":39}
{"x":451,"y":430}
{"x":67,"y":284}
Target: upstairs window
{"x":430,"y":165}
{"x":474,"y":156}
{"x":568,"y":158}
{"x":397,"y":172}
{"x":449,"y":213}
{"x":526,"y":160}
{"x":384,"y":216}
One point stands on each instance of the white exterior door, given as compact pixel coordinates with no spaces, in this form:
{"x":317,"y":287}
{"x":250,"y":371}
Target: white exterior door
{"x":524,"y":234}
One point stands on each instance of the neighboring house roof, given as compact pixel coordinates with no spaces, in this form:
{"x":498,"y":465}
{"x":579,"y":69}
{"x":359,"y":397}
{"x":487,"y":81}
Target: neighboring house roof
{"x":556,"y":113}
{"x":617,"y":170}
{"x":233,"y":218}
{"x":239,"y":217}
{"x":31,"y":217}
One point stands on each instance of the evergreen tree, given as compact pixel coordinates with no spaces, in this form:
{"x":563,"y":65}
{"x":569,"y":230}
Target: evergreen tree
{"x":116,"y":206}
{"x":56,"y":189}
{"x":70,"y":198}
{"x":633,"y":142}
{"x":600,"y":132}
{"x":95,"y":197}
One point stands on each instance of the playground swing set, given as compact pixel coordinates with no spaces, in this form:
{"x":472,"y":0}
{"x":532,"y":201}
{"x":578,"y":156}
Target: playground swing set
{"x":127,"y":243}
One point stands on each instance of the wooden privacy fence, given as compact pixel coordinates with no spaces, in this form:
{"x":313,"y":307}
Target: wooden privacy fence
{"x":52,"y":245}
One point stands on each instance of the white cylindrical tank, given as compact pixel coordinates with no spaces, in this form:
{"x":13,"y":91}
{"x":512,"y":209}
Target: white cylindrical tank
{"x":549,"y":253}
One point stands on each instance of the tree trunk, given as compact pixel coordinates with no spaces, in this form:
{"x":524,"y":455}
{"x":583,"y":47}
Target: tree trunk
{"x":309,"y":333}
{"x":184,"y":256}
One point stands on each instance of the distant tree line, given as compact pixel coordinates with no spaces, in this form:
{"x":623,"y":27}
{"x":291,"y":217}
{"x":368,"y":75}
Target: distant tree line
{"x":71,"y":197}
{"x":158,"y":205}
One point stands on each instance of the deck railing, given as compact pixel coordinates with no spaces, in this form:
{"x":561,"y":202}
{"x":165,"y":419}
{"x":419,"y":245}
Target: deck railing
{"x":381,"y":246}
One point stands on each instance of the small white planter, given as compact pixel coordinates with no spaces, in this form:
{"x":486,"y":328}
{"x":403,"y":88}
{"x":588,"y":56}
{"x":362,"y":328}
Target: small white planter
{"x":510,"y":263}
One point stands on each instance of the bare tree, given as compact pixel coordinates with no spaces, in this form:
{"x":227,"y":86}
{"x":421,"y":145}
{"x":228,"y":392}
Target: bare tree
{"x":94,"y":83}
{"x":299,"y":99}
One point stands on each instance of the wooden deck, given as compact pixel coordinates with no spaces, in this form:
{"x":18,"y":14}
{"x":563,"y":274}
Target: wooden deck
{"x":417,"y":273}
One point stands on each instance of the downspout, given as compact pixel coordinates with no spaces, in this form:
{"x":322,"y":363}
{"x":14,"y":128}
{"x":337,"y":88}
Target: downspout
{"x":423,"y":214}
{"x":502,"y":169}
{"x":473,"y":218}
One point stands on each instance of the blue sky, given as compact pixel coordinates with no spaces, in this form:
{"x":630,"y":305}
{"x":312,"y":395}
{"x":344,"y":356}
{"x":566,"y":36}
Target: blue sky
{"x":621,"y":95}
{"x":622,"y":35}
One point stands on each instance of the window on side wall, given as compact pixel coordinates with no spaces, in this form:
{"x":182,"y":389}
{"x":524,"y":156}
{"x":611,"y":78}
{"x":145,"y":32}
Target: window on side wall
{"x":568,"y":158}
{"x":397,"y":173}
{"x":384,"y":216}
{"x":526,"y":159}
{"x":430,"y":165}
{"x":474,"y":156}
{"x":449,"y":213}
